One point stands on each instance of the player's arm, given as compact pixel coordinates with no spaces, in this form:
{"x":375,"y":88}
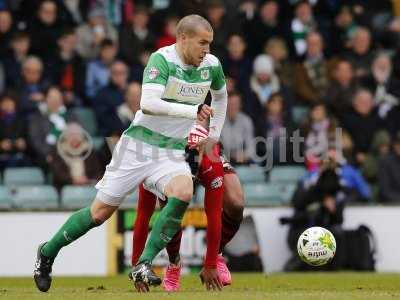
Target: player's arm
{"x":219,"y":100}
{"x":155,"y":78}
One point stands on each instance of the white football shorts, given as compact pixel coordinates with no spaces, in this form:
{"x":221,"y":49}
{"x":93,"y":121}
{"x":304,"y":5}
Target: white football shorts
{"x":134,"y":162}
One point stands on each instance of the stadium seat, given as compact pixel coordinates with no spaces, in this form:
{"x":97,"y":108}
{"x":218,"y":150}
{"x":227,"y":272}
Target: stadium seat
{"x":23,"y":176}
{"x":299,"y":114}
{"x":291,"y":174}
{"x":87,"y":119}
{"x":287,"y":191}
{"x":41,"y":196}
{"x":262,"y":194}
{"x":5,"y":198}
{"x":250,"y":174}
{"x":77,"y":196}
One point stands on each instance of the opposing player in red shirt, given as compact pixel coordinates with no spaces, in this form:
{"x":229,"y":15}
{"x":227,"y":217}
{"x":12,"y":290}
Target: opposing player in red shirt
{"x":221,"y":227}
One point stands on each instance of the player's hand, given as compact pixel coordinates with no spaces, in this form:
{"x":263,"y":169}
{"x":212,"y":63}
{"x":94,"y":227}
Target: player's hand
{"x":209,"y":277}
{"x":196,"y":135}
{"x":204,"y":113}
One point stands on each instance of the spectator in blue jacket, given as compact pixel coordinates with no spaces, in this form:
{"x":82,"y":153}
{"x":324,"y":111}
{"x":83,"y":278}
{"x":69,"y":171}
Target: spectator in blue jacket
{"x":98,"y":71}
{"x":350,"y":179}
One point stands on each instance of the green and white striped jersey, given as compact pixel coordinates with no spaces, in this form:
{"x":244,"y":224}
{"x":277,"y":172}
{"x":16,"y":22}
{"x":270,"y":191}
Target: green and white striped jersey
{"x":181,"y":84}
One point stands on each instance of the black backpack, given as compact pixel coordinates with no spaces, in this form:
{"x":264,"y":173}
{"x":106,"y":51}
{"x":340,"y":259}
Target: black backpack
{"x":360,"y":249}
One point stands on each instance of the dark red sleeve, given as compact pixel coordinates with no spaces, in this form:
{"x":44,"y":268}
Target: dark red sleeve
{"x":211,"y":175}
{"x":145,"y":208}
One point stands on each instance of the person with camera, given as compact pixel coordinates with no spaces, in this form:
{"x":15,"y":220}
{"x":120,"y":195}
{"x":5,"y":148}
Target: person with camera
{"x":320,"y":200}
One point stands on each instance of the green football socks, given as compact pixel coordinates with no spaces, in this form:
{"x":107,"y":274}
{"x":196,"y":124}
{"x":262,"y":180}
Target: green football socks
{"x":77,"y":225}
{"x":165,"y":227}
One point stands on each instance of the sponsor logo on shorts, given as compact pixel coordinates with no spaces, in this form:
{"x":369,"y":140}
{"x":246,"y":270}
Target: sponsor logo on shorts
{"x":217,"y":182}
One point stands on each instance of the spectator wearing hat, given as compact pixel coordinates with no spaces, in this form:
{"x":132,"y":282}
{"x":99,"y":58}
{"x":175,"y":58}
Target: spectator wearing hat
{"x":389,"y":174}
{"x":93,"y":33}
{"x":312,"y":74}
{"x":263,"y":83}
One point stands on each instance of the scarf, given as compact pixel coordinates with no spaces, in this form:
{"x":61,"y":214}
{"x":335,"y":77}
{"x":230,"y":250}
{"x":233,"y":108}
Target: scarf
{"x":263,"y":92}
{"x":57,"y":125}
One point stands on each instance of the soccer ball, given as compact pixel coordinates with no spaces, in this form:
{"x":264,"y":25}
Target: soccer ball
{"x":316,"y":246}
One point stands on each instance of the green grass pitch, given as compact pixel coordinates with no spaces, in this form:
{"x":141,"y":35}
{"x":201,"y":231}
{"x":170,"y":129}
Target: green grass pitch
{"x":305,"y":286}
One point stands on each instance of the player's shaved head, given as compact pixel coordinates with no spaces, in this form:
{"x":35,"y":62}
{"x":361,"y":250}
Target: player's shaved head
{"x":190,"y":24}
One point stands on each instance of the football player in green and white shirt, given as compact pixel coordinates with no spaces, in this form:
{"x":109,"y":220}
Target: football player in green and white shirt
{"x":176,"y":82}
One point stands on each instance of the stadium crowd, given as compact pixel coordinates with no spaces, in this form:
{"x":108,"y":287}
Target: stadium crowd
{"x":311,"y":65}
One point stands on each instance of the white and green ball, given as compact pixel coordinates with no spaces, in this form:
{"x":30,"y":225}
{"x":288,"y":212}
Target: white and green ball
{"x":316,"y":246}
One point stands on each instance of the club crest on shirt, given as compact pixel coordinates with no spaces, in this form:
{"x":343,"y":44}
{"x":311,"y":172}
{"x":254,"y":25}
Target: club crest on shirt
{"x":204,"y":74}
{"x":153,"y":73}
{"x":179,"y":72}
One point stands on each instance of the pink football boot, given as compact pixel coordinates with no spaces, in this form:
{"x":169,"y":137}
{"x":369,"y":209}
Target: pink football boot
{"x":172,"y":277}
{"x":223,"y":271}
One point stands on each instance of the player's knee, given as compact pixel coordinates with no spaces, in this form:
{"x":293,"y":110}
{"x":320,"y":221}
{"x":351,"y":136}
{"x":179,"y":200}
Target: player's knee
{"x":184,"y":194}
{"x":180,"y":187}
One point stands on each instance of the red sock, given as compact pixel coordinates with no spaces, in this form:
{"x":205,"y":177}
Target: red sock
{"x":146,"y":205}
{"x":211,"y":174}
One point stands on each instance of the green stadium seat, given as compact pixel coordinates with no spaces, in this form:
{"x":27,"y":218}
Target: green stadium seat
{"x":5,"y":198}
{"x":288,"y":190}
{"x":249,"y":174}
{"x":87,"y":119}
{"x":291,"y":174}
{"x":41,"y":196}
{"x":77,"y":196}
{"x":262,"y":194}
{"x":23,"y":176}
{"x":299,"y":114}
